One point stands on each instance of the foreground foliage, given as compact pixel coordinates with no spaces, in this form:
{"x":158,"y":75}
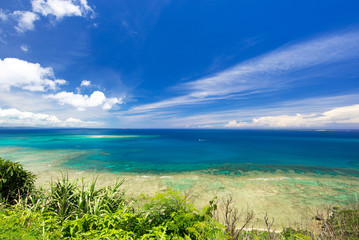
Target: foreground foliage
{"x":79,"y":211}
{"x":75,"y":210}
{"x":15,"y":182}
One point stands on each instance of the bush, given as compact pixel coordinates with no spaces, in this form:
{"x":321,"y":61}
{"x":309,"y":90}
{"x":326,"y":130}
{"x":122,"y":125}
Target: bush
{"x":342,"y":224}
{"x":177,"y":217}
{"x":292,"y":234}
{"x":15,"y":182}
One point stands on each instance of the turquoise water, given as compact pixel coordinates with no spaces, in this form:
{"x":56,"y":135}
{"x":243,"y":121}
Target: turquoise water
{"x":215,"y":151}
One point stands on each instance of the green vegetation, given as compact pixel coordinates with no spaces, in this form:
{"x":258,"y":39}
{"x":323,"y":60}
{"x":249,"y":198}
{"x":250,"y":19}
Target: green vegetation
{"x":76,"y":210}
{"x":15,"y":182}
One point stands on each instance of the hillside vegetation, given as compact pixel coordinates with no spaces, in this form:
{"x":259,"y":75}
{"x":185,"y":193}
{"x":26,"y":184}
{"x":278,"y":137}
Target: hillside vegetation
{"x":77,"y":210}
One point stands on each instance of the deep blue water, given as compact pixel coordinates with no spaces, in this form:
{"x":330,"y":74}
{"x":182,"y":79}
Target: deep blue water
{"x":223,"y":151}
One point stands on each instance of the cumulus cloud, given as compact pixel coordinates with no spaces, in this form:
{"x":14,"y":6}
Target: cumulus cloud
{"x":25,"y":75}
{"x":61,"y":8}
{"x":56,"y":8}
{"x":85,"y":83}
{"x":26,"y":20}
{"x":341,"y":116}
{"x":81,"y":102}
{"x":15,"y":117}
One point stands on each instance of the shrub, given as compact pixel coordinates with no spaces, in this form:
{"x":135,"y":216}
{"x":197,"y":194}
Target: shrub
{"x":292,"y":234}
{"x":67,"y":199}
{"x":15,"y":181}
{"x":342,"y":224}
{"x":177,"y":217}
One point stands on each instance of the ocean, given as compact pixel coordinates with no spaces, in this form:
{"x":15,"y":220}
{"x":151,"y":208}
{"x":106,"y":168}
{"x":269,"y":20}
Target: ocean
{"x":227,"y":152}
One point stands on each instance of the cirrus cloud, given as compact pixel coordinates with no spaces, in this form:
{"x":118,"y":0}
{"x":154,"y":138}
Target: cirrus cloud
{"x":270,"y":72}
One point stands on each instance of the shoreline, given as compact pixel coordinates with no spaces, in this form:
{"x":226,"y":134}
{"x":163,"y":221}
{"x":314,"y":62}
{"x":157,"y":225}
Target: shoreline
{"x":289,"y":198}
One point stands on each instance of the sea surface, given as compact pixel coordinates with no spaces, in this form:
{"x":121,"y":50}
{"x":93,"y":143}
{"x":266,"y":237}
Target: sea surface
{"x":226,"y":152}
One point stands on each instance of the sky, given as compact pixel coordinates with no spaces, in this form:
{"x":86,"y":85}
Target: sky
{"x":238,"y":64}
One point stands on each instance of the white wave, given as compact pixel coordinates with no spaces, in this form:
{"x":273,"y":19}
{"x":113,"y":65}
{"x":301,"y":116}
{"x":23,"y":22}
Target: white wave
{"x":268,"y":179}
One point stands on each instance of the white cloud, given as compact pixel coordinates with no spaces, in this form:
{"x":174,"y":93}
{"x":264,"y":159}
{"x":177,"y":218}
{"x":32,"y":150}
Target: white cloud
{"x":14,"y":117}
{"x":24,"y":47}
{"x":26,"y":20}
{"x":255,"y":74}
{"x":25,"y":75}
{"x":37,"y":102}
{"x":3,"y":15}
{"x":85,"y":83}
{"x":337,"y":117}
{"x":81,"y":102}
{"x":348,"y":114}
{"x":21,"y":77}
{"x":74,"y":121}
{"x":265,"y":73}
{"x":61,"y":8}
{"x":57,"y":8}
{"x":176,"y":101}
{"x":109,"y":102}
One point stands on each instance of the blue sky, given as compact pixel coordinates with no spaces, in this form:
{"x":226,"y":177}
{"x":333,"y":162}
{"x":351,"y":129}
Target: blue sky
{"x":179,"y":64}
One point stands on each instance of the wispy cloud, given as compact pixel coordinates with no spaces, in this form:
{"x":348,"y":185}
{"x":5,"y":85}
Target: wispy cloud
{"x":245,"y":115}
{"x":24,"y":47}
{"x":265,"y":73}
